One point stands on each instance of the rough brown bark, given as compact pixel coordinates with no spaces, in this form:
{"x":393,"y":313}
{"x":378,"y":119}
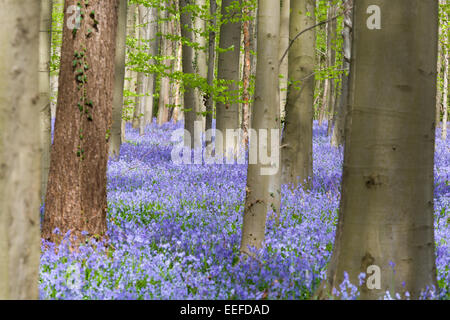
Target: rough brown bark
{"x":76,"y":195}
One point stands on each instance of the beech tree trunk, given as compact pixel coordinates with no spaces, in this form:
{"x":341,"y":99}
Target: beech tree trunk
{"x":20,"y":156}
{"x":386,"y":209}
{"x":211,"y":64}
{"x":45,"y":38}
{"x":163,"y":112}
{"x":296,"y":153}
{"x":76,"y":193}
{"x":152,"y":31}
{"x":263,"y":191}
{"x":200,"y":56}
{"x":190,"y":111}
{"x":284,"y":43}
{"x":227,"y":114}
{"x":246,"y":73}
{"x":116,"y":128}
{"x":338,"y":136}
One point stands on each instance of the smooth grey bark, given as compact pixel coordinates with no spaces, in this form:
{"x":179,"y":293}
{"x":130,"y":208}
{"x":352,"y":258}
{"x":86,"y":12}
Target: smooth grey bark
{"x":263,"y":191}
{"x":164,"y":86}
{"x":338,"y":136}
{"x":116,"y":127}
{"x":20,"y":156}
{"x":141,"y":81}
{"x":152,"y":31}
{"x":209,"y":107}
{"x":296,"y":153}
{"x":228,"y":69}
{"x":284,"y":43}
{"x":200,"y":55}
{"x":445,"y":96}
{"x":45,"y":38}
{"x":130,"y":75}
{"x":190,"y":110}
{"x":386,"y":208}
{"x":331,"y":56}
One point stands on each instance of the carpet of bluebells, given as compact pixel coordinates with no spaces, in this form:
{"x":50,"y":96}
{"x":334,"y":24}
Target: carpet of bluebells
{"x":174,"y":230}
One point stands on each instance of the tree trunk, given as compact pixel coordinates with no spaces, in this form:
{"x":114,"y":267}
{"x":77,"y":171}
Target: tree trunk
{"x":284,"y":43}
{"x":116,"y":128}
{"x":338,"y":136}
{"x":296,"y":154}
{"x":152,"y":30}
{"x":211,"y":63}
{"x":246,"y":78}
{"x":200,"y":55}
{"x":130,"y":75}
{"x":190,"y":112}
{"x":263,"y":188}
{"x":227,"y":114}
{"x":331,"y":62}
{"x":386,"y":209}
{"x":164,"y":89}
{"x":76,"y":193}
{"x":45,"y":38}
{"x":141,"y":81}
{"x":20,"y":157}
{"x":445,"y":96}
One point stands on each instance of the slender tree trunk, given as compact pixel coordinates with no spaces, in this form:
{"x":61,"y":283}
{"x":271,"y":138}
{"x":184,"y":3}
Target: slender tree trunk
{"x":445,"y":96}
{"x":211,"y":63}
{"x":141,"y":81}
{"x":152,"y":30}
{"x":227,"y":114}
{"x":20,"y":157}
{"x":130,"y":75}
{"x":439,"y":90}
{"x":163,"y":103}
{"x":45,"y":38}
{"x":296,"y":154}
{"x":263,"y":191}
{"x":331,"y":56}
{"x":116,"y":128}
{"x":338,"y":136}
{"x":190,"y":112}
{"x":200,"y":55}
{"x":246,"y":77}
{"x":76,"y":193}
{"x":284,"y":43}
{"x":386,"y":209}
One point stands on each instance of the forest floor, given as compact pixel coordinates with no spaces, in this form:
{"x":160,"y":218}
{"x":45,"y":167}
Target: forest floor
{"x":175,"y":230}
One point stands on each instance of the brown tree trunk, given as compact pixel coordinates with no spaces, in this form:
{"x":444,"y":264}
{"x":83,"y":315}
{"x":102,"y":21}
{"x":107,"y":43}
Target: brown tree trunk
{"x":76,"y":195}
